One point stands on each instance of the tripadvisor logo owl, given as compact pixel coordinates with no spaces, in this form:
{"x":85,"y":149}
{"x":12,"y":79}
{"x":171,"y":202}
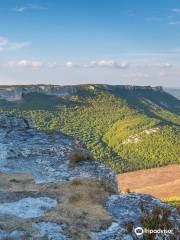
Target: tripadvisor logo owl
{"x":139,"y":231}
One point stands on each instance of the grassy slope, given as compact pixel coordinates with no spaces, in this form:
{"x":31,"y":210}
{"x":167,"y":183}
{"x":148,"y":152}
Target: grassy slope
{"x":163,"y":182}
{"x":103,"y":119}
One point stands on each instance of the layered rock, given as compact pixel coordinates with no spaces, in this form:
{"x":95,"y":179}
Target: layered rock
{"x":45,"y":156}
{"x":16,"y":93}
{"x":61,"y":201}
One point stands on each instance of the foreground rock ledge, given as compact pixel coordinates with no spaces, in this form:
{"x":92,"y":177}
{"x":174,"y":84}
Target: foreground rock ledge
{"x":127,"y":208}
{"x":24,"y":149}
{"x":58,"y":202}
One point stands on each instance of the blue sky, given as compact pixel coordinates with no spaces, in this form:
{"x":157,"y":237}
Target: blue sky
{"x":90,"y":41}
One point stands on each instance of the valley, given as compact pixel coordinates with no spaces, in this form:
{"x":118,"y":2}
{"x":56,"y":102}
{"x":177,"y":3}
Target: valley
{"x":58,"y":153}
{"x":107,"y":119}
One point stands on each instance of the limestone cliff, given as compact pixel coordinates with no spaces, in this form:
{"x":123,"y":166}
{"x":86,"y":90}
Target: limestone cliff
{"x":44,"y":155}
{"x":16,"y":93}
{"x":43,"y":196}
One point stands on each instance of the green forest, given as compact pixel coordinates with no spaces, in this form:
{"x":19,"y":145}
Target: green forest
{"x":124,"y":128}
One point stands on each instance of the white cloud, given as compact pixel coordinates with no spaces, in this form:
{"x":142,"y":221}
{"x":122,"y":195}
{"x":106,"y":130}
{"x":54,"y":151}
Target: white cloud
{"x":109,"y":64}
{"x":28,"y":63}
{"x":176,"y":10}
{"x":93,"y":64}
{"x":34,"y":64}
{"x":19,"y":45}
{"x":52,"y":65}
{"x":7,"y":45}
{"x":174,"y":23}
{"x":27,"y":7}
{"x":20,"y":9}
{"x":162,"y":65}
{"x":37,"y":64}
{"x":25,"y":63}
{"x":69,"y":64}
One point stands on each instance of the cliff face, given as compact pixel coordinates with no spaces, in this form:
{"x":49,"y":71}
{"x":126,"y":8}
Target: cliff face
{"x":11,"y":93}
{"x":43,"y":196}
{"x":44,"y":156}
{"x":16,"y":93}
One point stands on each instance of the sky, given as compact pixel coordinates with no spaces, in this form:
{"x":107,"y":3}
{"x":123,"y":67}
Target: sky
{"x":90,"y":41}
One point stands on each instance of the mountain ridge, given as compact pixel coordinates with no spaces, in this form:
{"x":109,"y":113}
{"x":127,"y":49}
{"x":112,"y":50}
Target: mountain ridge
{"x":105,"y":117}
{"x":16,"y":92}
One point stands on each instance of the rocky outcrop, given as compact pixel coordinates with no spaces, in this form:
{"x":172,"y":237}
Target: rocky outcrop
{"x":44,"y":155}
{"x":128,"y":209}
{"x":42,"y":196}
{"x":132,"y":87}
{"x":11,"y":93}
{"x":16,"y":93}
{"x":137,"y":137}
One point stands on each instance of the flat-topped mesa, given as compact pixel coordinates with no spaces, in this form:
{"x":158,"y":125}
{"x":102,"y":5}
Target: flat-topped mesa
{"x":46,"y":156}
{"x":133,"y":87}
{"x":16,"y":92}
{"x":157,"y":88}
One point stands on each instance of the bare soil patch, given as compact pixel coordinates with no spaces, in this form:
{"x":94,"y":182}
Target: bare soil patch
{"x":163,"y":182}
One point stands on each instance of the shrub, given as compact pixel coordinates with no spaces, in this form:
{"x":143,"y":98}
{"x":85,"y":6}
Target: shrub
{"x":157,"y":219}
{"x":129,"y":226}
{"x":14,"y":180}
{"x":128,"y":190}
{"x":78,"y":156}
{"x":76,"y":182}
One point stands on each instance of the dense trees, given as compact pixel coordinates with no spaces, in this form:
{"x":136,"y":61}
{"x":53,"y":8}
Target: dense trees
{"x":106,"y":121}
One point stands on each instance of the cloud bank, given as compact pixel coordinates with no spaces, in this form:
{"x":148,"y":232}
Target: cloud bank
{"x":7,"y":45}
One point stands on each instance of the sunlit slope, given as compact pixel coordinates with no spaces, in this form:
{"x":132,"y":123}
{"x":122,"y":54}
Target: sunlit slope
{"x":163,"y":182}
{"x":127,"y":128}
{"x":155,"y":146}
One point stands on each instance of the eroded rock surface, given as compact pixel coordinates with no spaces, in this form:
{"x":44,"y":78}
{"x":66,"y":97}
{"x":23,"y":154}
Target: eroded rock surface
{"x":28,"y":207}
{"x":129,"y":208}
{"x":24,"y":149}
{"x":51,"y":230}
{"x":43,"y":197}
{"x":14,"y":235}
